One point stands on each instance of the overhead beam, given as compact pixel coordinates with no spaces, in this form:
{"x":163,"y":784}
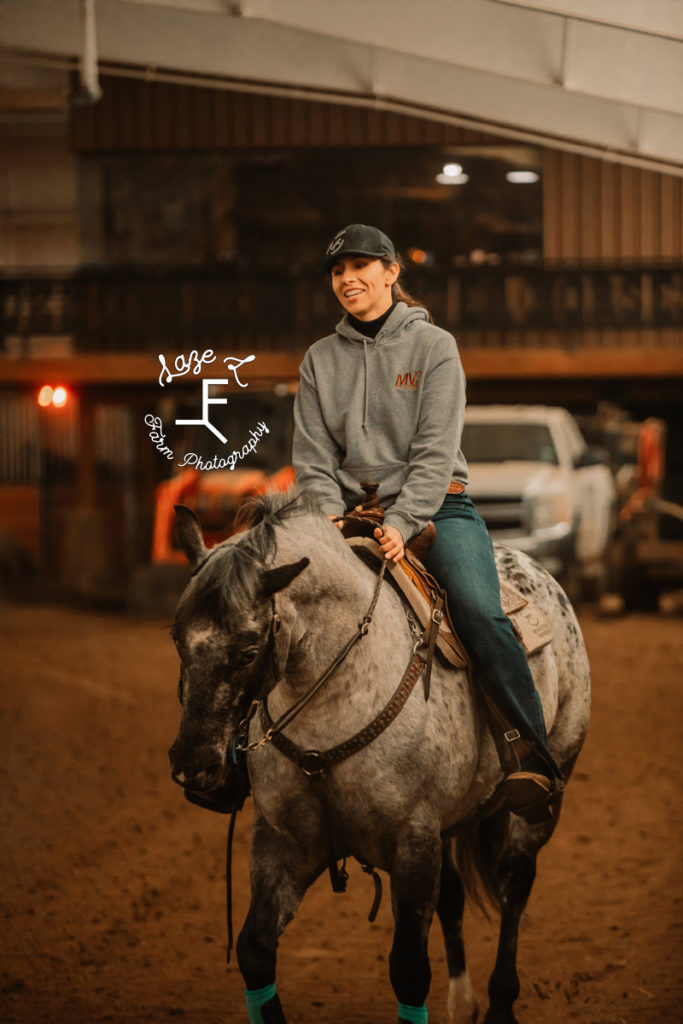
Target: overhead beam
{"x":498,"y":66}
{"x":656,"y":17}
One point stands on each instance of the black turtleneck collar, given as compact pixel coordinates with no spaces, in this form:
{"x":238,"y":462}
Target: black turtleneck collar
{"x":370,"y":328}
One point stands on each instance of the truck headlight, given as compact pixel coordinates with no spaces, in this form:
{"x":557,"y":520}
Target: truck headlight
{"x":549,"y":510}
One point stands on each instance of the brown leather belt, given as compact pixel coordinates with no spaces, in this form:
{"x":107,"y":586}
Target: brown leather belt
{"x":455,"y":487}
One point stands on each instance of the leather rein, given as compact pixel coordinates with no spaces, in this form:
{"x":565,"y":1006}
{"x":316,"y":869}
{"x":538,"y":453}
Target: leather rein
{"x":274,"y":729}
{"x":315,"y":763}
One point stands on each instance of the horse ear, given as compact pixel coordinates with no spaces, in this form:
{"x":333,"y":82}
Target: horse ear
{"x":273,"y":580}
{"x":189,"y":535}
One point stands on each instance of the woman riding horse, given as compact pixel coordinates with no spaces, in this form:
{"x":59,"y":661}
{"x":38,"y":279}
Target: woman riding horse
{"x":271,"y":615}
{"x":383,"y":398}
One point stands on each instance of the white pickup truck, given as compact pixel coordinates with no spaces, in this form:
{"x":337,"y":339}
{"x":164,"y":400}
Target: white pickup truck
{"x":540,"y":488}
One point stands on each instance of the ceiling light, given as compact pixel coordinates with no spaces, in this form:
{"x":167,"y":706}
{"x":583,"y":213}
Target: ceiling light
{"x":448,"y":179}
{"x":522,"y":177}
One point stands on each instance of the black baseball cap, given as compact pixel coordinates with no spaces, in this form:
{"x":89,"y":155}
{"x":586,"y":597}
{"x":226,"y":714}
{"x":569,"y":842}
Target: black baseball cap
{"x":358,"y":240}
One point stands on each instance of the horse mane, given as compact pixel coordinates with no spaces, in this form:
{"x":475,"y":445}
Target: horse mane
{"x":231,"y":572}
{"x":263,"y":513}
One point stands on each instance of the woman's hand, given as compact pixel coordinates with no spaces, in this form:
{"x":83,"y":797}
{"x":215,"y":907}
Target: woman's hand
{"x":391,"y":542}
{"x":337,"y":520}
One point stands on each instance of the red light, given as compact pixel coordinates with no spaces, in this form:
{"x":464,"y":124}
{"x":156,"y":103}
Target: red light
{"x":57,"y":397}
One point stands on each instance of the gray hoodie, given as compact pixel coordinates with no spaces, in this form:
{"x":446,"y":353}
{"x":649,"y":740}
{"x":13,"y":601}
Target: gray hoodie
{"x":389,"y":409}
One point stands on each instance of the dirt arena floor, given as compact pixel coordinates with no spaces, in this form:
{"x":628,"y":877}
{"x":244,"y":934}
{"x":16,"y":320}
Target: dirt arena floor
{"x":113,"y":887}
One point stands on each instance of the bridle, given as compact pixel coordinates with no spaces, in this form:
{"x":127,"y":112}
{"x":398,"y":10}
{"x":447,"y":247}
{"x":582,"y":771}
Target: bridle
{"x":315,"y":763}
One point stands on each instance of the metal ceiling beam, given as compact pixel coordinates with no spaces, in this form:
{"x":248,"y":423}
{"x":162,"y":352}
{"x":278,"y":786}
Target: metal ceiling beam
{"x":656,"y":17}
{"x":502,"y":65}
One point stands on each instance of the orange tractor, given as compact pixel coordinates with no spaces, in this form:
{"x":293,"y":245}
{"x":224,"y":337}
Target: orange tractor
{"x":215,"y":497}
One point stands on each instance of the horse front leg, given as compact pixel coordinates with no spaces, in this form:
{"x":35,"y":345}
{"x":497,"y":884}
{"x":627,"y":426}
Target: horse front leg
{"x":281,"y":872}
{"x":414,"y":891}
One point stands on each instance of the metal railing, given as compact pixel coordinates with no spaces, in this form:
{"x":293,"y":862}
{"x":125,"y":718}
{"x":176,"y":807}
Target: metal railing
{"x":140,"y":309}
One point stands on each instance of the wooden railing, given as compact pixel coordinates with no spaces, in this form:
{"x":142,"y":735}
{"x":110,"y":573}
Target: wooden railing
{"x":143,"y":309}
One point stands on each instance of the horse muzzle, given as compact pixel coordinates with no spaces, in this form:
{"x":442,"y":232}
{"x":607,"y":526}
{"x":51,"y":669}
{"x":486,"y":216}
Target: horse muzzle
{"x":220,"y":788}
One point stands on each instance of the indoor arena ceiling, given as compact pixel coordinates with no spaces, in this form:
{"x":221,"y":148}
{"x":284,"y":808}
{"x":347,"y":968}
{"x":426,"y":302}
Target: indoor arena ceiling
{"x":602,"y":77}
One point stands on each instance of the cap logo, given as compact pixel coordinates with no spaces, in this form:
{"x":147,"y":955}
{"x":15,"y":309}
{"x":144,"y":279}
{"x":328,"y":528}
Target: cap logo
{"x":336,"y":244}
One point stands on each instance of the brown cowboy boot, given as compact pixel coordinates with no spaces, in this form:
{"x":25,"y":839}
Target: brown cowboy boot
{"x":530,"y":787}
{"x":531,"y":794}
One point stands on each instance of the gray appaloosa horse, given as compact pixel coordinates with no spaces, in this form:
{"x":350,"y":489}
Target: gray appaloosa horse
{"x":395,"y":802}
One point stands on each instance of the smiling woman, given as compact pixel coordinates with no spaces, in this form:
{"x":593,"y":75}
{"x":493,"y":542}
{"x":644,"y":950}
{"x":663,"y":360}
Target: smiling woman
{"x":383,"y":399}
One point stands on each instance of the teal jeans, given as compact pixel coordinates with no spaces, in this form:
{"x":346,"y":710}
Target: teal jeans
{"x":461,"y":559}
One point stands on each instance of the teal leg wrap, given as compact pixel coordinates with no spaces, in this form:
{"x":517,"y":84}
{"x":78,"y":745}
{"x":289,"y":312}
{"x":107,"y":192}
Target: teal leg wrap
{"x":413,"y":1014}
{"x":256,"y":997}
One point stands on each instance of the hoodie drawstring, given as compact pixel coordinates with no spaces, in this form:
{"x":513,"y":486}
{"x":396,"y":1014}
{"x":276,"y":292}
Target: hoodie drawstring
{"x":365,"y":403}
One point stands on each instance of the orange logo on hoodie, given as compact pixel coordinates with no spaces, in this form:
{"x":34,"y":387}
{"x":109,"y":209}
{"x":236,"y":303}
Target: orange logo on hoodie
{"x":407,"y":381}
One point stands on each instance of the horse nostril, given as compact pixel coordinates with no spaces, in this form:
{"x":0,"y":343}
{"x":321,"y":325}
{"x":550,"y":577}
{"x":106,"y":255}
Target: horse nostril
{"x":211,"y":774}
{"x":201,"y":780}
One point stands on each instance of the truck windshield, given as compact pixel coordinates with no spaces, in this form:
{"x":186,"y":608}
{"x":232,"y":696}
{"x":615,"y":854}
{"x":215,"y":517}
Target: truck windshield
{"x":508,"y":442}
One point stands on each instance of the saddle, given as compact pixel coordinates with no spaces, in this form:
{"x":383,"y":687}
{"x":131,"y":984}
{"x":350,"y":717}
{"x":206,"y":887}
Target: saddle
{"x":421,"y":591}
{"x":364,"y":519}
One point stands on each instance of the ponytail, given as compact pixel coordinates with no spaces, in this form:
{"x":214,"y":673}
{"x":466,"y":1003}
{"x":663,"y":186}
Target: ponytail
{"x":398,"y":293}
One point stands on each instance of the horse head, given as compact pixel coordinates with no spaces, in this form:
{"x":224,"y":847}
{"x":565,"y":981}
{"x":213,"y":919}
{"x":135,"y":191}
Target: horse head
{"x":224,"y":632}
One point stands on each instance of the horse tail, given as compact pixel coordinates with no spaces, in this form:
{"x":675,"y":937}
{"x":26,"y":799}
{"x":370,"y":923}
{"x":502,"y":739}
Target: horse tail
{"x":478,"y":853}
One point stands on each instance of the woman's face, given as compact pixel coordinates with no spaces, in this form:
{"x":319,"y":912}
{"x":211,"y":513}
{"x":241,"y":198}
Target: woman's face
{"x":363,"y":285}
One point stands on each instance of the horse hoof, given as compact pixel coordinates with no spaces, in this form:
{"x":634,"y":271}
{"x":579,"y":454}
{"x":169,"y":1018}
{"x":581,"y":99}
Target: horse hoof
{"x":462,"y":1003}
{"x":500,"y":1017}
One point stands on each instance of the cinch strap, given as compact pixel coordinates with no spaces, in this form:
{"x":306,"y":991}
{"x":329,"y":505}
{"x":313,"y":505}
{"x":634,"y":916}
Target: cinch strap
{"x":256,"y":998}
{"x":413,"y":1014}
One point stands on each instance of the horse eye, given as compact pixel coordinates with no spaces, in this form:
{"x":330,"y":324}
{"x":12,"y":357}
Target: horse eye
{"x":248,"y":657}
{"x":180,"y":690}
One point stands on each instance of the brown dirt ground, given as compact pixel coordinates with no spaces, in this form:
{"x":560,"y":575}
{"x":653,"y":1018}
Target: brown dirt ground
{"x":113,"y":891}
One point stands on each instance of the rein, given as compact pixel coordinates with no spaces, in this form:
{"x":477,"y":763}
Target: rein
{"x":291,"y":713}
{"x":315,"y":763}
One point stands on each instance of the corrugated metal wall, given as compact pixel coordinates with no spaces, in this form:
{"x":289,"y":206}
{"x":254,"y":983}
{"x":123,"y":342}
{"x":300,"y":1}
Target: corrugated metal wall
{"x":595,"y":210}
{"x":20,"y":446}
{"x":137,"y":115}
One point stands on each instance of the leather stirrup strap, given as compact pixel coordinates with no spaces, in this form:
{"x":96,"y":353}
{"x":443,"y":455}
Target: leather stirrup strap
{"x":512,"y":749}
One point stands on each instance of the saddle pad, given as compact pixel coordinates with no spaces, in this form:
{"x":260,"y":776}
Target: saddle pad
{"x":528,"y":622}
{"x":413,"y":580}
